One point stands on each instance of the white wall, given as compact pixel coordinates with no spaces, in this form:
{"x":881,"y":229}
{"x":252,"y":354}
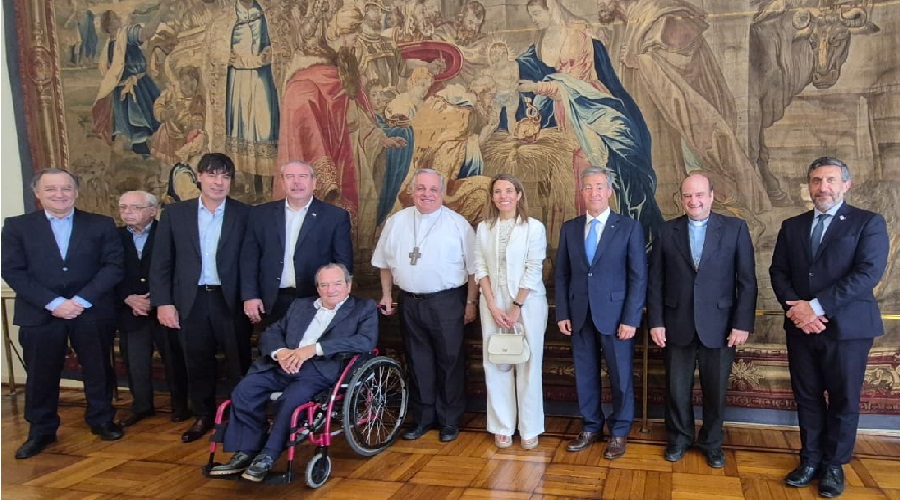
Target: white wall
{"x":11,"y":200}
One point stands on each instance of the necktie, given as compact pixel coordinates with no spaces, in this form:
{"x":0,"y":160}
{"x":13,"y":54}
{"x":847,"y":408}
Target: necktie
{"x":816,"y":239}
{"x":590,"y":243}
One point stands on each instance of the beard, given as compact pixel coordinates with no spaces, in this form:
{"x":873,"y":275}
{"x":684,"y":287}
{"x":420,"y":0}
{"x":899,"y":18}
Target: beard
{"x":465,"y":35}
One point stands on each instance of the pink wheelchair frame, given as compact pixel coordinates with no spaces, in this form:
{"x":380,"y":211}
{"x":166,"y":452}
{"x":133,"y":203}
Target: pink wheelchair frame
{"x":370,"y":401}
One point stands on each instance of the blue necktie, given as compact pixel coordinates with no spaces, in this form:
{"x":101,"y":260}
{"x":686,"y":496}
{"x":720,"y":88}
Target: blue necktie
{"x":816,"y":239}
{"x":590,"y":243}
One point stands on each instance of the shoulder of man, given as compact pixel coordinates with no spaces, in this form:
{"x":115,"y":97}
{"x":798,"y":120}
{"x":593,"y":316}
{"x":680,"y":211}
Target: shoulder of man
{"x":93,"y":217}
{"x":360,"y":303}
{"x":327,"y":208}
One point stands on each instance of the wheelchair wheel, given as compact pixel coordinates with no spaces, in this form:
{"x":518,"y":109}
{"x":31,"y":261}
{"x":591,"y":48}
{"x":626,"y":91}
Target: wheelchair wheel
{"x":317,"y":470}
{"x":375,"y":405}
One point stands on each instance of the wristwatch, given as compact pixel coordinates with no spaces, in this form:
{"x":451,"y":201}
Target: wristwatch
{"x":517,"y":304}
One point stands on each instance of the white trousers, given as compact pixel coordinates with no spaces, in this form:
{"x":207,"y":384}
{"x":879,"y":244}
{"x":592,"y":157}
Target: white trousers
{"x":515,"y":398}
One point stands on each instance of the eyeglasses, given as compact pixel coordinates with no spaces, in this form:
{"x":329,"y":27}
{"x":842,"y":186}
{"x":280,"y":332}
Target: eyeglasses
{"x":133,"y":208}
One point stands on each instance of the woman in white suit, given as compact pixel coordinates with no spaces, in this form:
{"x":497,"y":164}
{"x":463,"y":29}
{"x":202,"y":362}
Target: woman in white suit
{"x":509,"y":255}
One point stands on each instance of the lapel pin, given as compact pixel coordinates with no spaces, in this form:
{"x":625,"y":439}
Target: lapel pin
{"x":841,"y":217}
{"x":314,"y":214}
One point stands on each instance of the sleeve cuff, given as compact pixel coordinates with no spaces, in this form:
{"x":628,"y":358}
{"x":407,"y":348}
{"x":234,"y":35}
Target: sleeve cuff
{"x":817,"y":307}
{"x":274,"y":353}
{"x":83,"y":303}
{"x":54,"y":304}
{"x":319,"y":351}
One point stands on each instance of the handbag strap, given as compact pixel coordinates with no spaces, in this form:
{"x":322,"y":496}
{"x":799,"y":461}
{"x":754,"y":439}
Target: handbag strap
{"x":517,"y":329}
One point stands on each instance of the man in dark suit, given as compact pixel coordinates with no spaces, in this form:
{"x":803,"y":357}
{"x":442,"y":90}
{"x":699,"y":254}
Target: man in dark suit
{"x":286,"y":242}
{"x":300,"y":358}
{"x":825,"y":267}
{"x":601,"y":283}
{"x":701,"y":303}
{"x":139,"y":329}
{"x":195,"y":287}
{"x":63,"y":264}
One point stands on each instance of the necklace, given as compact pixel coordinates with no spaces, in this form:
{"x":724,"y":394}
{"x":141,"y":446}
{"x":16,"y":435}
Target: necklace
{"x":415,"y":255}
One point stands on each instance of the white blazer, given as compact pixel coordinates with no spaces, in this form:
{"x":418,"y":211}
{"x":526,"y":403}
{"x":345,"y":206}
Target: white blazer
{"x":525,"y":254}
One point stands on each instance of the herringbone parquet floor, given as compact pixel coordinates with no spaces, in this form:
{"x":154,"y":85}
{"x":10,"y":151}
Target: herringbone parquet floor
{"x":151,"y":462}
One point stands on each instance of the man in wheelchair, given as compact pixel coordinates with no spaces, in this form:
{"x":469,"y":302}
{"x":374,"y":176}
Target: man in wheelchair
{"x":300,"y":357}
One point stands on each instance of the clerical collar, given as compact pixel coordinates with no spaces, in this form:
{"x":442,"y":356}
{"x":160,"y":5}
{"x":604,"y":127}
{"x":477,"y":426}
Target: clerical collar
{"x":422,"y":216}
{"x":318,"y":305}
{"x":699,"y":223}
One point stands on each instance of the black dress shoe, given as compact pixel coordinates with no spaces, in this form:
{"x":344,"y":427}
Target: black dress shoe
{"x":260,"y":467}
{"x":674,"y":453}
{"x":201,"y":426}
{"x":415,"y":432}
{"x":449,"y":433}
{"x":801,"y":476}
{"x":238,"y":463}
{"x":715,"y":458}
{"x":109,"y":431}
{"x":34,"y":445}
{"x":135,"y":418}
{"x":583,"y":440}
{"x":831,"y":484}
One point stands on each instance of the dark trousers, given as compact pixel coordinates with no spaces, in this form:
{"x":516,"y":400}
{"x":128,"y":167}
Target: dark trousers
{"x":283,"y":301}
{"x":433,"y":337}
{"x":44,"y":350}
{"x":715,"y":367}
{"x":136,"y":342}
{"x":820,"y":364}
{"x":588,"y":345}
{"x":247,"y":424}
{"x":212,"y":327}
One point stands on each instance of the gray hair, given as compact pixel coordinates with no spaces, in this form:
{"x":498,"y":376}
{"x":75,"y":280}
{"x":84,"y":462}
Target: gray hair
{"x":335,"y":265}
{"x":312,"y":170}
{"x":50,"y":171}
{"x":593,"y":170}
{"x":149,"y":198}
{"x":829,"y":161}
{"x":428,"y":171}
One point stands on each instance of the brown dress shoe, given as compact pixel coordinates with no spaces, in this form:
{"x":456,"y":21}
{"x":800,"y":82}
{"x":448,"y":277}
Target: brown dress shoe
{"x":583,"y":440}
{"x":615,"y":448}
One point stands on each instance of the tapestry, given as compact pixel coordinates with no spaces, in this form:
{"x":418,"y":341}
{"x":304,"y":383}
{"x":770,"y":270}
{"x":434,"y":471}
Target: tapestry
{"x":129,"y":94}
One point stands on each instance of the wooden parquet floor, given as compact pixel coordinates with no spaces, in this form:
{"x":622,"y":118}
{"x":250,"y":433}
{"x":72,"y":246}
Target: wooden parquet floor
{"x":151,"y":462}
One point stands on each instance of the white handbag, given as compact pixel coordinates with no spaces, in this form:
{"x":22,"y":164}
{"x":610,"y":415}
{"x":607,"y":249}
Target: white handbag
{"x":508,"y":348}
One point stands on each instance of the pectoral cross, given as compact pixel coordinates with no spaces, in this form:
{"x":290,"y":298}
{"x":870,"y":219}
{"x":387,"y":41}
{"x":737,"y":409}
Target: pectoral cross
{"x":414,"y":256}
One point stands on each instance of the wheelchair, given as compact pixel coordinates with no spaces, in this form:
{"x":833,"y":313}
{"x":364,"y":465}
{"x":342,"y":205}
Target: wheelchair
{"x":367,"y":404}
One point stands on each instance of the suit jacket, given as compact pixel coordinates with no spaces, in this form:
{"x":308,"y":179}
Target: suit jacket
{"x":32,"y":266}
{"x":850,"y":262}
{"x":525,"y":254}
{"x":354,"y":329}
{"x":176,"y":265}
{"x":137,"y":277}
{"x":714,"y":298}
{"x":324,"y":238}
{"x":614,"y":284}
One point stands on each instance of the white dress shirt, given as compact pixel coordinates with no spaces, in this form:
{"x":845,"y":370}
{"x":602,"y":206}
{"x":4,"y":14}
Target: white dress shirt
{"x":447,"y":250}
{"x":601,"y":223}
{"x":293,"y":222}
{"x":316,"y":327}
